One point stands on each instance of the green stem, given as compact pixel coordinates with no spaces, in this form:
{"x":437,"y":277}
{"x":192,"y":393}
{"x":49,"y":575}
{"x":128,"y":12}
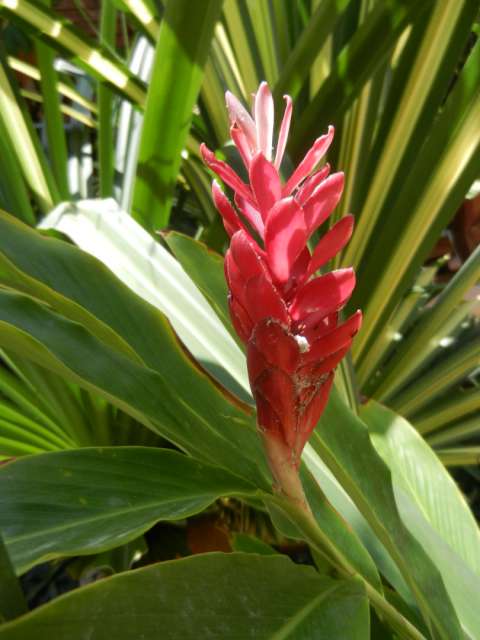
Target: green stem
{"x":302,"y":516}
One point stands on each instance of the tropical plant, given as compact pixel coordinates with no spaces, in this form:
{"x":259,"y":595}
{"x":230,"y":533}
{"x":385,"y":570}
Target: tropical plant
{"x":91,"y":362}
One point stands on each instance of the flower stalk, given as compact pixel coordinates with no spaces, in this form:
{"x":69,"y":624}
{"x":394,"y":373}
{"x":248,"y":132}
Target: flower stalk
{"x":306,"y":522}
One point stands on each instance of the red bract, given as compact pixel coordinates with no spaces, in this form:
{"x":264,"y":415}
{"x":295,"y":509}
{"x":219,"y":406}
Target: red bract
{"x":285,"y":313}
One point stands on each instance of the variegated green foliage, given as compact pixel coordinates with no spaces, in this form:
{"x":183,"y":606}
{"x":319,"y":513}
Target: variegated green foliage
{"x":90,"y":360}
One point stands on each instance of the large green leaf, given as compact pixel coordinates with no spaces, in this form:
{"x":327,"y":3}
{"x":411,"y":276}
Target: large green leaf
{"x":417,"y":471}
{"x":214,"y":595}
{"x":69,"y":350}
{"x":91,"y":500}
{"x":205,"y":267}
{"x":416,"y":467}
{"x":183,"y":44}
{"x":341,"y":439}
{"x":194,"y":415}
{"x":110,"y":234}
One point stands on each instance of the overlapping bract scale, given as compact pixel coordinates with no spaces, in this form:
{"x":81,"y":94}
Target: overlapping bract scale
{"x":287,"y":315}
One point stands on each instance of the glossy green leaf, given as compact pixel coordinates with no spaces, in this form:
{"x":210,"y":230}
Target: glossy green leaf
{"x":119,"y":318}
{"x":417,"y":469}
{"x":218,"y":595}
{"x":44,"y":268}
{"x":342,"y":503}
{"x":91,"y":500}
{"x":107,"y":232}
{"x":13,"y":189}
{"x":205,"y":268}
{"x":341,"y":439}
{"x":432,"y":508}
{"x":339,"y":544}
{"x":194,"y":415}
{"x":183,"y":44}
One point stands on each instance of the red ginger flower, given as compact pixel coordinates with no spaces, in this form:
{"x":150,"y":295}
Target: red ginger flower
{"x":286,"y":315}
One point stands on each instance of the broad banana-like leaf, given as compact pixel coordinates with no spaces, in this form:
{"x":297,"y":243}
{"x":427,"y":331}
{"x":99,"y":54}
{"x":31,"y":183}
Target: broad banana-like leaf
{"x":436,"y":513}
{"x":91,"y":500}
{"x":111,"y":235}
{"x":196,"y":597}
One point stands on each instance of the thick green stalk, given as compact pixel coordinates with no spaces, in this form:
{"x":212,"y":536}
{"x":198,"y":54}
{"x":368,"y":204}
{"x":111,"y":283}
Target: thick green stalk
{"x":183,"y":45}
